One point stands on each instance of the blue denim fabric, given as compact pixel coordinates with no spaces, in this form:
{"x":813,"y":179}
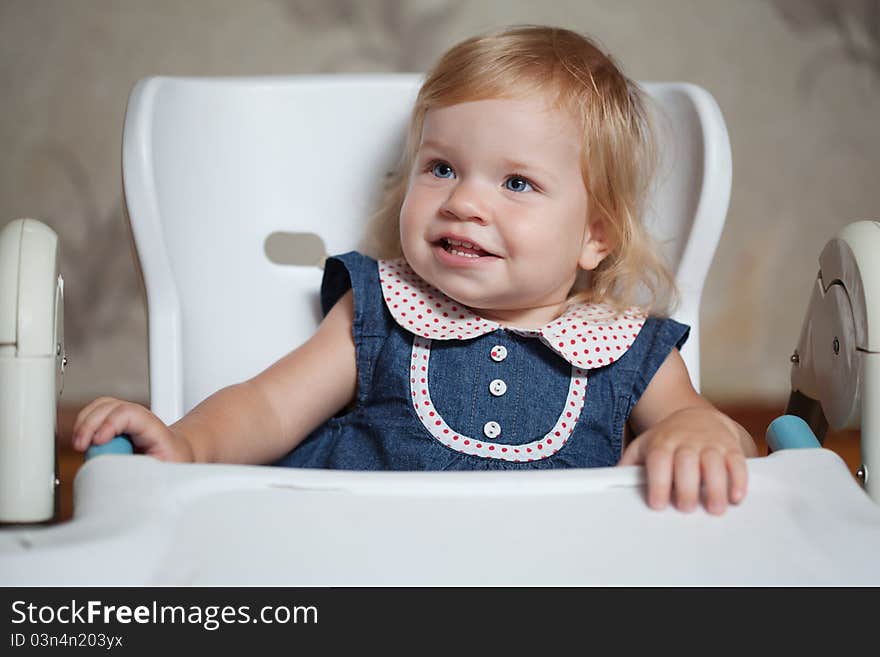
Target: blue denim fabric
{"x":383,"y":432}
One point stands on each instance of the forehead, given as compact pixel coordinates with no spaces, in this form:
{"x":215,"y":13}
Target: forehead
{"x":525,"y":126}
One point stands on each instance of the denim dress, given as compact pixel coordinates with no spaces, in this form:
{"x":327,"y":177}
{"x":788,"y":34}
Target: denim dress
{"x":440,"y":388}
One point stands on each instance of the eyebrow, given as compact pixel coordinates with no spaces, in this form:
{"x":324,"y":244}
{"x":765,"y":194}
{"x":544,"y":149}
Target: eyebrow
{"x":436,"y":145}
{"x":513,"y":165}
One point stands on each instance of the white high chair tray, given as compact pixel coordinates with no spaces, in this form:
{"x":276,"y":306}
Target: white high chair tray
{"x":804,"y":522}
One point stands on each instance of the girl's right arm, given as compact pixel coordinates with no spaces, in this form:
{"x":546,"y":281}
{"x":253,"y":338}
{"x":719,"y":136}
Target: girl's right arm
{"x":257,"y":421}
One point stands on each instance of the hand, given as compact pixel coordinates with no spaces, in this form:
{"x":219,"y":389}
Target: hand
{"x":105,"y":418}
{"x":690,"y":447}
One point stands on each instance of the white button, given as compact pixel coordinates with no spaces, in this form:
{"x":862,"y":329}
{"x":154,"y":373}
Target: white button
{"x":499,"y":353}
{"x":492,"y":429}
{"x":497,"y":387}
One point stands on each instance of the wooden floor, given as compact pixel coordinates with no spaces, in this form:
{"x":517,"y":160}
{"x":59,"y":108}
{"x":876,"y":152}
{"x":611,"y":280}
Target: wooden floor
{"x":754,"y":418}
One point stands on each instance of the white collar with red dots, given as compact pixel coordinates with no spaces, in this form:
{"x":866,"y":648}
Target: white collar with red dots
{"x":587,"y":335}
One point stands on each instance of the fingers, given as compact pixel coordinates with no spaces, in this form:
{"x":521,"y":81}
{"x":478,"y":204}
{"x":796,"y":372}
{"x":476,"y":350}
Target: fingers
{"x":739,"y":476}
{"x":686,"y":474}
{"x":633,"y":454}
{"x":686,"y":478}
{"x":130,"y":419}
{"x":105,"y":418}
{"x":658,"y":466}
{"x":89,"y":419}
{"x":714,"y":471}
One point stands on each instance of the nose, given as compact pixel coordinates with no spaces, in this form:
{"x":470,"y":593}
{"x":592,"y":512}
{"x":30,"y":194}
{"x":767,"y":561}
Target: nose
{"x":466,"y":202}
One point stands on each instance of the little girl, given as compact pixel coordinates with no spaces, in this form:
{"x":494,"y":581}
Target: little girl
{"x":500,"y":333}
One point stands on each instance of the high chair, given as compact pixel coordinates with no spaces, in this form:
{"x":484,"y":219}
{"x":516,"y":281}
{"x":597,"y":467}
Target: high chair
{"x":236,"y":189}
{"x":219,"y":171}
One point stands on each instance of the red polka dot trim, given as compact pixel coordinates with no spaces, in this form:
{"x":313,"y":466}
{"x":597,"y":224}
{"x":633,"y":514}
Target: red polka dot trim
{"x":538,"y":449}
{"x":587,"y":335}
{"x":591,"y":335}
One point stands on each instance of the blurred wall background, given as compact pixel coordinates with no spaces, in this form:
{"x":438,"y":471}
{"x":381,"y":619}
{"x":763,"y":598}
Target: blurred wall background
{"x":798,"y":82}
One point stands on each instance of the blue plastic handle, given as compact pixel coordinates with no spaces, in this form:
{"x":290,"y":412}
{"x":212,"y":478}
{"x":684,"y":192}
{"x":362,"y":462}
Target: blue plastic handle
{"x":119,"y":445}
{"x":790,"y":432}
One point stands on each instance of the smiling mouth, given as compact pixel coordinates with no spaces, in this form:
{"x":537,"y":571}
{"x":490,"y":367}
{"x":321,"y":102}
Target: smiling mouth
{"x":463,"y":248}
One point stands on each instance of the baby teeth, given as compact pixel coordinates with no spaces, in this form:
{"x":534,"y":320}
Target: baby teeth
{"x":462,"y":253}
{"x":466,"y":245}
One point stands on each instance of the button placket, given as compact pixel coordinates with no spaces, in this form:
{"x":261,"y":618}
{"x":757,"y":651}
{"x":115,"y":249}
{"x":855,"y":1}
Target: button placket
{"x":497,"y":388}
{"x":540,"y":447}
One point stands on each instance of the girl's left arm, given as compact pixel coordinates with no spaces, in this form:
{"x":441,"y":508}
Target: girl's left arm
{"x":685,"y":442}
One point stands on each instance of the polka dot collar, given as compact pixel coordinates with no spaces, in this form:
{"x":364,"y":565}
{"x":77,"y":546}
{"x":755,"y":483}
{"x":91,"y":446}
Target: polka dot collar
{"x":587,"y":335}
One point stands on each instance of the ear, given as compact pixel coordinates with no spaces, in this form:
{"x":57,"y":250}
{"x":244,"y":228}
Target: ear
{"x":596,"y":244}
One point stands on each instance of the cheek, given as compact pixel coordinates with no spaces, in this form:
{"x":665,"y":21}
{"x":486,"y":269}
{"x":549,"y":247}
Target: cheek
{"x":410,"y":219}
{"x":556,"y":233}
{"x":413,"y":204}
{"x":575,"y":222}
{"x":537,"y":236}
{"x":419,"y":206}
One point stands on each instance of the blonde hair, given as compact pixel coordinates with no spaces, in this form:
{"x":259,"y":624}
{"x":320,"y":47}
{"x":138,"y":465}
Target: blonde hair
{"x":618,"y":154}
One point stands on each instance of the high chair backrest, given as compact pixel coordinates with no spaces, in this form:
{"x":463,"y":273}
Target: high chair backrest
{"x":213,"y":166}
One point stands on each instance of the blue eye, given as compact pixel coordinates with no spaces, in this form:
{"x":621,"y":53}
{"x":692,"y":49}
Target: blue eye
{"x":442,"y":170}
{"x":518,"y":184}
